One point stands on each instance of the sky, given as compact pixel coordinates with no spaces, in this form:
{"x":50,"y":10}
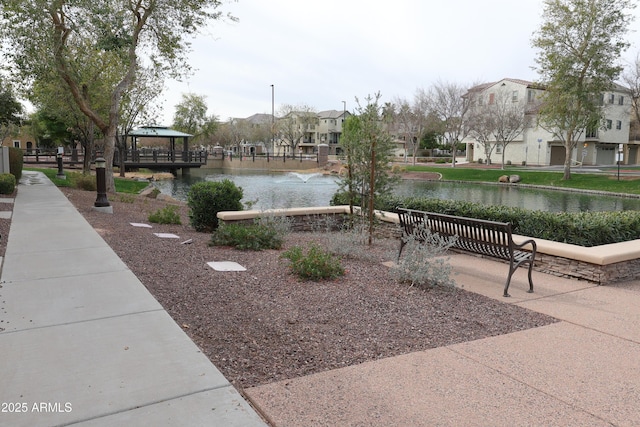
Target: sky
{"x":323,"y":53}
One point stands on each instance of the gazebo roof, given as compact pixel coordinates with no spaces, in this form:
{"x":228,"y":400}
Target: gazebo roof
{"x":158,"y":132}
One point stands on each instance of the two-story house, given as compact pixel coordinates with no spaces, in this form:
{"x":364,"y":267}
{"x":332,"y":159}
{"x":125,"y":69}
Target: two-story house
{"x":535,"y":145}
{"x":330,"y":129}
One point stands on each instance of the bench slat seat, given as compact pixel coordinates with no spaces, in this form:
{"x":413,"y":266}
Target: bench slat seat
{"x":489,"y":238}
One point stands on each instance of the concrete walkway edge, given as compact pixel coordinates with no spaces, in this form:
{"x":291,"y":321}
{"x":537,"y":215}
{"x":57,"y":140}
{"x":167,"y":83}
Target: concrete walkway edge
{"x":82,"y":340}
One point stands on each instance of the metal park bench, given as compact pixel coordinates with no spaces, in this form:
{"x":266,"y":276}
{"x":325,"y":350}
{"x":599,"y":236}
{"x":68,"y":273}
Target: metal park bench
{"x":483,"y":237}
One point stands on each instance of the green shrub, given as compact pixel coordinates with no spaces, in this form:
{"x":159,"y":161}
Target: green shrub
{"x":253,"y":237}
{"x":316,"y":264}
{"x":578,"y":228}
{"x":83,"y":181}
{"x":206,"y":199}
{"x":167,"y":215}
{"x":7,"y":183}
{"x":16,"y":162}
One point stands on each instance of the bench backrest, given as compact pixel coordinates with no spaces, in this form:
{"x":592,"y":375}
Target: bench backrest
{"x":476,"y":235}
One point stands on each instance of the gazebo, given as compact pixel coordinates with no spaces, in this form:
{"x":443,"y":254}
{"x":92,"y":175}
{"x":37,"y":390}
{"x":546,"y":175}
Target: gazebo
{"x":160,"y":132}
{"x":154,"y":158}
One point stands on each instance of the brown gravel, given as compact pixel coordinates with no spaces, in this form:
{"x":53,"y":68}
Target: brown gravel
{"x":264,"y":325}
{"x":5,"y":223}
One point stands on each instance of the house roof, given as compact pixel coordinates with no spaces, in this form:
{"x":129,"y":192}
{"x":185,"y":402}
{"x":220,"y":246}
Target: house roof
{"x":158,"y":132}
{"x":330,"y":114}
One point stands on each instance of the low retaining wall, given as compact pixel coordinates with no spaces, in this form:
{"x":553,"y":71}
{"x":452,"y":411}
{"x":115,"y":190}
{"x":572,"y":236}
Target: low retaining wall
{"x":604,"y":264}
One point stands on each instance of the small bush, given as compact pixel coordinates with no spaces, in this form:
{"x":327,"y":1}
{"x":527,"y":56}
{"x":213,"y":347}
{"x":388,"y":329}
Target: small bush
{"x":316,"y":264}
{"x":206,"y":199}
{"x":84,"y":181}
{"x":423,"y":263}
{"x":126,"y":198}
{"x":351,"y":242}
{"x":16,"y":162}
{"x":7,"y":183}
{"x":167,"y":215}
{"x":253,"y":237}
{"x":153,"y":194}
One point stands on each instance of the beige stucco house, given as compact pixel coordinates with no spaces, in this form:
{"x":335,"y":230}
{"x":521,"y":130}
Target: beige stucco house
{"x":537,"y":146}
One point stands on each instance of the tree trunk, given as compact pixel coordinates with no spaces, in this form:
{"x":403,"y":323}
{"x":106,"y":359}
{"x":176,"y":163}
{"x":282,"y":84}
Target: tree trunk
{"x":109,"y":149}
{"x":372,"y":183}
{"x":567,"y":161}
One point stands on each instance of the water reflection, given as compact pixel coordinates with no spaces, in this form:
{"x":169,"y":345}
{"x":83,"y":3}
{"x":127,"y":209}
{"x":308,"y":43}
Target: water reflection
{"x":285,"y":190}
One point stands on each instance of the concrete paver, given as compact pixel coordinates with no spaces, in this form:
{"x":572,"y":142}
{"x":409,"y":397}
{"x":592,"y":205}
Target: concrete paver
{"x":83,"y":341}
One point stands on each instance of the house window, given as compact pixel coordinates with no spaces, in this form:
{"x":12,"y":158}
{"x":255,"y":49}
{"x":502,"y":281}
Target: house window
{"x":530,"y":96}
{"x":621,"y":100}
{"x":16,"y":144}
{"x":492,"y":98}
{"x":612,"y":98}
{"x":618,"y":124}
{"x":609,"y":124}
{"x":514,"y":96}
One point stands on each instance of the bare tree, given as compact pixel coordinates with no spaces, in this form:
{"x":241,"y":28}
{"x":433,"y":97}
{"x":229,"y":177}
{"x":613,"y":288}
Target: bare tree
{"x":631,"y":78}
{"x":296,"y":124}
{"x":480,"y":125}
{"x":509,"y":119}
{"x":446,"y":100}
{"x":410,"y":120}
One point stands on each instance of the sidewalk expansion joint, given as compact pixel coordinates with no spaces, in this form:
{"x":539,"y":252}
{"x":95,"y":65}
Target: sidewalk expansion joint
{"x":133,"y":408}
{"x":97,"y":319}
{"x":527,"y":385}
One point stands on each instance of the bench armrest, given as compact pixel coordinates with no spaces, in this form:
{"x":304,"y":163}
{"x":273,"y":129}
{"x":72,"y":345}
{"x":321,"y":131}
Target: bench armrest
{"x":525,"y":243}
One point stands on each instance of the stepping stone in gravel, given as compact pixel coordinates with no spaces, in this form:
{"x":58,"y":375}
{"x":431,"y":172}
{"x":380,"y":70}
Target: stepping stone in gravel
{"x":139,"y":224}
{"x":226,"y":266}
{"x":167,"y":235}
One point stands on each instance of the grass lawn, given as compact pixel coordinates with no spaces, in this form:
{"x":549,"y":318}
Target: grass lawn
{"x":123,"y":185}
{"x":585,"y":181}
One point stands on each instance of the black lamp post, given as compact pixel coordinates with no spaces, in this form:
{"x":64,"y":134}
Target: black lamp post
{"x":60,"y":174}
{"x":101,"y":183}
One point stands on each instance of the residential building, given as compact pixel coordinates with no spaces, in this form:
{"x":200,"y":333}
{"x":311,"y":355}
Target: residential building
{"x":308,"y":130}
{"x":537,"y":146}
{"x":22,"y":139}
{"x":330,"y":129}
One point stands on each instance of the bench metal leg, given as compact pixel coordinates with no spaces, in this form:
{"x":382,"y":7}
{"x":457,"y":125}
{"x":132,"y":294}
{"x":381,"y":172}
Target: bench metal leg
{"x":513,"y":270}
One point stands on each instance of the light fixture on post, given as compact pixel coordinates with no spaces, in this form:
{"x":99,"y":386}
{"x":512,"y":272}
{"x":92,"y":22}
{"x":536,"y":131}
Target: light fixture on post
{"x":59,"y":154}
{"x":102,"y":202}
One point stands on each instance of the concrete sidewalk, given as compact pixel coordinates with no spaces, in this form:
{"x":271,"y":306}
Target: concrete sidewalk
{"x":582,"y":371}
{"x":83,"y":341}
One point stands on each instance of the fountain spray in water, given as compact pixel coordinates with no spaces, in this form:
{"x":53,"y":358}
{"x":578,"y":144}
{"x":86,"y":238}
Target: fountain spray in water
{"x":304,"y":177}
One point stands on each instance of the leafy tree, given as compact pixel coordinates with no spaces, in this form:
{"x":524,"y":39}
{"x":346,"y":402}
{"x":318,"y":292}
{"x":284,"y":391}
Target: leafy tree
{"x":10,"y":110}
{"x":579,"y":43}
{"x":369,"y":151}
{"x":137,"y":107}
{"x":61,"y":36}
{"x":61,"y":117}
{"x":191,"y":117}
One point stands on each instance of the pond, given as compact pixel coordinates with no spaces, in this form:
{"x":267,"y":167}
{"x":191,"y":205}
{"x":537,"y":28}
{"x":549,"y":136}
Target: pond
{"x":292,"y":189}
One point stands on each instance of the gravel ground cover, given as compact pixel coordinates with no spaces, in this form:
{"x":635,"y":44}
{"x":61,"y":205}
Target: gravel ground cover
{"x":264,"y":325}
